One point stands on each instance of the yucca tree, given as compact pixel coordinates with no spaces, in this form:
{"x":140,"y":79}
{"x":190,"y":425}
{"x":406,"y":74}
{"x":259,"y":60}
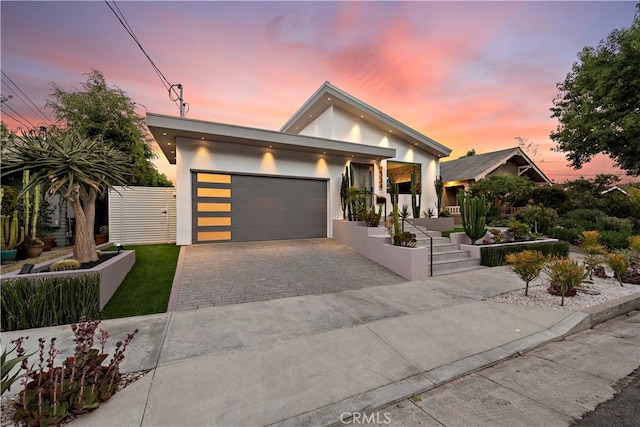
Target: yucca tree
{"x":79,"y":169}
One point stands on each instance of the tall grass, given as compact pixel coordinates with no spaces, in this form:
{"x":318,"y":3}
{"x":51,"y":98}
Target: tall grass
{"x":49,"y":301}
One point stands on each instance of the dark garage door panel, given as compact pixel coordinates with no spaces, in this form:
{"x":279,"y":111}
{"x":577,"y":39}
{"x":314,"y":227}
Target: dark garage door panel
{"x":271,"y":208}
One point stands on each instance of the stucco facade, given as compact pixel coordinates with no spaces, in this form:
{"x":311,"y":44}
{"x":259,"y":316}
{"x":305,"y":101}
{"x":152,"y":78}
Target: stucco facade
{"x":316,"y":149}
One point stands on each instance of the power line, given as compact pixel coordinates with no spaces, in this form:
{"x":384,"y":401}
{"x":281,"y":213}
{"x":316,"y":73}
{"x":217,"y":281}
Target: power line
{"x":36,"y":110}
{"x":177,"y":97}
{"x":16,"y":120}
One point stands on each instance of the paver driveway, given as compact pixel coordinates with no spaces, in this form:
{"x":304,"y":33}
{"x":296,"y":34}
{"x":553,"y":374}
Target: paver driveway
{"x":231,"y":273}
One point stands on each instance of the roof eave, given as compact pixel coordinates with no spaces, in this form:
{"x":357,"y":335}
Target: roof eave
{"x":166,"y":129}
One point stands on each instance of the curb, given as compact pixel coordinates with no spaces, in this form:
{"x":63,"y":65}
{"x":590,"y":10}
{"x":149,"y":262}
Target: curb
{"x":608,"y":310}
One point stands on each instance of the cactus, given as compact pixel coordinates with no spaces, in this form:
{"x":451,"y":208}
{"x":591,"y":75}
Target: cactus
{"x":396,"y":229}
{"x":11,"y":235}
{"x":415,"y":194}
{"x":473,"y":211}
{"x":439,"y":185}
{"x":344,"y":188}
{"x":65,"y":265}
{"x":30,"y":212}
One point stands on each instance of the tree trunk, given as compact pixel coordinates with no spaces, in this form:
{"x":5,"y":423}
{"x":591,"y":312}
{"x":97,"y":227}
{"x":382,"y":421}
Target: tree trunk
{"x":85,"y":247}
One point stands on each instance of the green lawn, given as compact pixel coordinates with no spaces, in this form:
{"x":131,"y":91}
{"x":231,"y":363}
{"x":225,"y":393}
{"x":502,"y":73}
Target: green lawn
{"x":147,"y":287}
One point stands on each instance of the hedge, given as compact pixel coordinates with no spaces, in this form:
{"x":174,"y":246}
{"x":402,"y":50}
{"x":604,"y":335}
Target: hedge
{"x":49,"y":301}
{"x":494,"y":255}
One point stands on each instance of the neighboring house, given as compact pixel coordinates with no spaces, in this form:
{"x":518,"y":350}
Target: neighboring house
{"x":238,"y":183}
{"x":614,"y":188}
{"x":61,"y":223}
{"x":460,"y":174}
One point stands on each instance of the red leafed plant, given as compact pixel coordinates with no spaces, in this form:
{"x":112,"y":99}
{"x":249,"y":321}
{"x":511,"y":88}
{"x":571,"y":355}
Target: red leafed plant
{"x":52,"y":392}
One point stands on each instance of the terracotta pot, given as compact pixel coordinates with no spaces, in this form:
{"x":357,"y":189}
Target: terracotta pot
{"x":34,"y":251}
{"x":101,"y":238}
{"x":49,"y":243}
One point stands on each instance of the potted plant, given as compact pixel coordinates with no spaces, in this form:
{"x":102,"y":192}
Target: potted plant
{"x":103,"y":236}
{"x":49,"y":243}
{"x":35,"y":247}
{"x":11,"y":235}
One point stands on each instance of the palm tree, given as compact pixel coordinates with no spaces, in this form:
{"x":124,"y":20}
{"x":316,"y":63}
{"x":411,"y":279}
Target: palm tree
{"x":79,"y":169}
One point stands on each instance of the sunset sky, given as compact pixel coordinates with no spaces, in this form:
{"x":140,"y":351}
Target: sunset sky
{"x":471,"y":75}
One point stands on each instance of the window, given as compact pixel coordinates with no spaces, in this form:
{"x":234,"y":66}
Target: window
{"x":401,"y":173}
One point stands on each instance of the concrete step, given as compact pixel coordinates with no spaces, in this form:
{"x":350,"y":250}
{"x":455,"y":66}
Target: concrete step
{"x":458,"y":270}
{"x":425,"y":241}
{"x":455,"y":265}
{"x":450,"y":255}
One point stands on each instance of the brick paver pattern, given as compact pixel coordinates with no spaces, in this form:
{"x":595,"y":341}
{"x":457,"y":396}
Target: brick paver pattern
{"x":232,"y":273}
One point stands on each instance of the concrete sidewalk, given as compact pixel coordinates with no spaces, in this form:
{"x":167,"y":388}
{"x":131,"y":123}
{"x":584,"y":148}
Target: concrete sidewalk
{"x":553,"y":385}
{"x":306,"y":360}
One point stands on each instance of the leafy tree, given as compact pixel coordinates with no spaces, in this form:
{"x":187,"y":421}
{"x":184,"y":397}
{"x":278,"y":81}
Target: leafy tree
{"x":598,"y":106}
{"x":470,"y":153}
{"x":79,"y":168}
{"x":550,"y":196}
{"x":584,"y":192}
{"x":504,"y":190}
{"x":98,"y":111}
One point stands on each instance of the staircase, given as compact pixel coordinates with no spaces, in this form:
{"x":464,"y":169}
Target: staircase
{"x":447,"y":257}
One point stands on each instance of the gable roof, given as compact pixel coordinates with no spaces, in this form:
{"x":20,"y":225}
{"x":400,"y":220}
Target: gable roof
{"x":480,"y":165}
{"x":329,"y":95}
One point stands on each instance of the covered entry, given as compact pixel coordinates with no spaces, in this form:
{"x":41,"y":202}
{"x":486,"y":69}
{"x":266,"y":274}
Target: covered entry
{"x":244,"y":208}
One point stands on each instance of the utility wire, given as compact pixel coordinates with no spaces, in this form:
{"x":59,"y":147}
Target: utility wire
{"x":167,"y":85}
{"x":4,"y":104}
{"x":16,"y":120}
{"x":36,"y":110}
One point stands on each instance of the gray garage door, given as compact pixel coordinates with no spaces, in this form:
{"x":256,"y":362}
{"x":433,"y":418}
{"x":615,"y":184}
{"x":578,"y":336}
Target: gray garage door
{"x":243,"y":208}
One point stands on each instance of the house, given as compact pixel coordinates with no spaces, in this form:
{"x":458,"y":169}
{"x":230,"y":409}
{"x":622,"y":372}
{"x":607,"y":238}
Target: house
{"x":237,"y":183}
{"x":614,"y":188}
{"x":460,"y":174}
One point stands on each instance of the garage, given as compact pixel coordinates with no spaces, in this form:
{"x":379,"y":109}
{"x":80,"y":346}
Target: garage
{"x":245,"y":208}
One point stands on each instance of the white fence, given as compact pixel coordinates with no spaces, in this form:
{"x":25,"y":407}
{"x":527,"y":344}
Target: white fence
{"x":142,"y":215}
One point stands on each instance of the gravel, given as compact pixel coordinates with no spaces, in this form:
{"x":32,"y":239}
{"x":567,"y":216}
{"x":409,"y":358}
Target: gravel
{"x":608,"y":289}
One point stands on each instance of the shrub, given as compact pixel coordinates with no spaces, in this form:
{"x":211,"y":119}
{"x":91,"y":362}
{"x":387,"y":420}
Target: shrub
{"x":615,"y":239}
{"x":538,"y":218}
{"x":616,"y":224}
{"x":564,"y":274}
{"x":585,"y":216}
{"x":518,"y":230}
{"x":526,"y":264}
{"x":493,"y":256}
{"x":571,"y":235}
{"x":52,"y":392}
{"x":372,"y":218}
{"x":634,"y":243}
{"x":406,"y":239}
{"x":49,"y":301}
{"x":496,"y":235}
{"x":589,"y":238}
{"x":65,"y":265}
{"x":619,"y":263}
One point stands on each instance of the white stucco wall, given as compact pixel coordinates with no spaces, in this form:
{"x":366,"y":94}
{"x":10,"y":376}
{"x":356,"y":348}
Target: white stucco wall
{"x":198,"y":155}
{"x":338,"y":124}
